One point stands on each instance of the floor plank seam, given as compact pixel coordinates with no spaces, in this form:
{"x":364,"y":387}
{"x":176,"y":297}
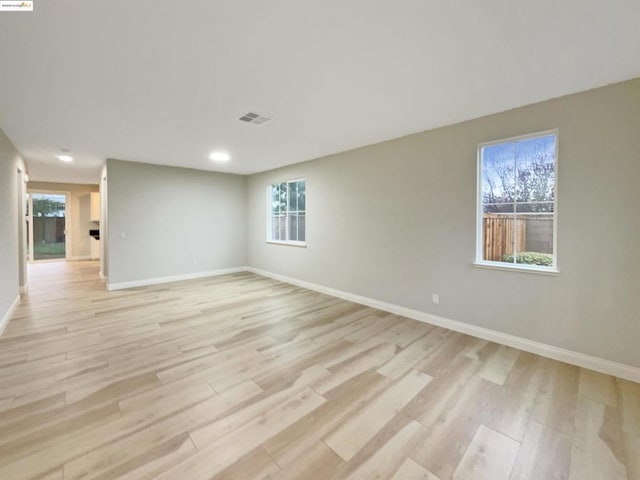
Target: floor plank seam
{"x":262,"y":447}
{"x":475,"y":401}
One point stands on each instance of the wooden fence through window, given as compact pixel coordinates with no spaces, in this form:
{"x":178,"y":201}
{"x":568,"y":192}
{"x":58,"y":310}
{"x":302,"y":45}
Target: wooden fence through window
{"x":498,"y":233}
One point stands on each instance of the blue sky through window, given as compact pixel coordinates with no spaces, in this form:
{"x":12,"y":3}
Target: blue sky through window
{"x":519,"y":171}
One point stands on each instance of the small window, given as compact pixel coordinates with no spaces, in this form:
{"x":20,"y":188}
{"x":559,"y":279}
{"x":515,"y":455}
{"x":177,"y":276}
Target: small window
{"x":516,"y":225}
{"x":287,"y":212}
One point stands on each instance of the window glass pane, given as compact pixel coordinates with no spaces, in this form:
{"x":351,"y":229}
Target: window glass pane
{"x":301,"y":196}
{"x":275,"y":195}
{"x":498,"y":236}
{"x":537,"y":222}
{"x":283,"y":197}
{"x":499,"y":208}
{"x":301,"y":226}
{"x":537,"y":207}
{"x":535,"y":179}
{"x":498,"y":173}
{"x":293,"y":227}
{"x":278,"y":227}
{"x":293,"y":196}
{"x":538,"y":242}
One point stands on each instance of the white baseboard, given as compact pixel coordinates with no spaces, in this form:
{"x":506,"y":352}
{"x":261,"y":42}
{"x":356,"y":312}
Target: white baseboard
{"x":77,"y":258}
{"x":174,"y":278}
{"x":5,"y":320}
{"x":24,"y":289}
{"x":608,"y":367}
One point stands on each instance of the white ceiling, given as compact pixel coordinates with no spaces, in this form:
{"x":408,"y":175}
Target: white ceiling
{"x":164,"y":81}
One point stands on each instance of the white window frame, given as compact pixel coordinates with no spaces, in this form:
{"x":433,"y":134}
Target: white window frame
{"x":479,"y":261}
{"x":294,"y":243}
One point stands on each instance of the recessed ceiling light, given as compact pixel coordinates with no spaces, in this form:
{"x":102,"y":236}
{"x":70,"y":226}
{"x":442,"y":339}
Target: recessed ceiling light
{"x":220,"y":156}
{"x":65,"y":158}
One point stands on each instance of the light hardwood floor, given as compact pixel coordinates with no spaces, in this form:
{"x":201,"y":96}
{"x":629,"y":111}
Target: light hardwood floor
{"x":244,"y":377}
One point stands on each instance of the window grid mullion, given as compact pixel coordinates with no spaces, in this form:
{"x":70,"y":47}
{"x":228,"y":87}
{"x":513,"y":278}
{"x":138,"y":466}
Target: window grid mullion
{"x":275,"y":214}
{"x":285,"y":210}
{"x":544,"y":202}
{"x":280,"y":214}
{"x":515,"y":205}
{"x":280,"y":211}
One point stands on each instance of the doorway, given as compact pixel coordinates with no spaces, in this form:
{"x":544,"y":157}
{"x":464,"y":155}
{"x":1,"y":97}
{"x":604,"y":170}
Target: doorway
{"x":48,"y":225}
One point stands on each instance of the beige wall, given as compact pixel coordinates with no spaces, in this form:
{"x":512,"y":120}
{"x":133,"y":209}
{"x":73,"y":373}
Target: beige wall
{"x":168,"y":221}
{"x":12,"y":267}
{"x":79,"y":211}
{"x":396,"y":222}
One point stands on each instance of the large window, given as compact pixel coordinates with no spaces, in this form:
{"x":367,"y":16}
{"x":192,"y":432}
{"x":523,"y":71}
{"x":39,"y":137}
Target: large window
{"x":287,"y":212}
{"x":516,"y":225}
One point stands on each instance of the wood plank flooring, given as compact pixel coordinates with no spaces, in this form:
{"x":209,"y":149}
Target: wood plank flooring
{"x":244,"y":377}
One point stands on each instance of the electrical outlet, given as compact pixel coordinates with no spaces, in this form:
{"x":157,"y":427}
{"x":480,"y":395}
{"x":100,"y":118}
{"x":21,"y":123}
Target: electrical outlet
{"x":435,"y":298}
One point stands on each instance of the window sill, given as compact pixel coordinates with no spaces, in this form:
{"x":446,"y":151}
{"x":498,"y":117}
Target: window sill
{"x":288,"y":244}
{"x":550,"y":271}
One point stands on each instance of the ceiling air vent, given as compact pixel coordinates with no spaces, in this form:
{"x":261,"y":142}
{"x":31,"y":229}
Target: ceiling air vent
{"x":254,"y":118}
